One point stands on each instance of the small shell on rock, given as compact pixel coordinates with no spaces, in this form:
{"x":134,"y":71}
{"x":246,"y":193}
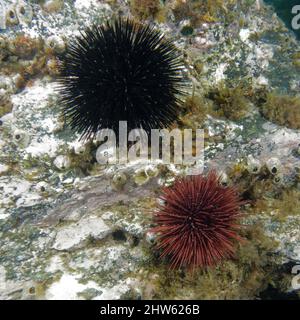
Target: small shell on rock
{"x":11,"y":16}
{"x":223,"y":179}
{"x":56,"y":43}
{"x":273,"y":165}
{"x":79,"y":148}
{"x":141,"y":177}
{"x":62,"y":162}
{"x":42,"y":187}
{"x":24,"y":12}
{"x":118,"y":181}
{"x":253,"y":165}
{"x":150,"y":237}
{"x":278,"y":178}
{"x":151,"y":171}
{"x":3,"y":168}
{"x":21,"y":138}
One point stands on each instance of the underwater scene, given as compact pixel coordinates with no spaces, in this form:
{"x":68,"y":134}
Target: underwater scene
{"x":149,"y":149}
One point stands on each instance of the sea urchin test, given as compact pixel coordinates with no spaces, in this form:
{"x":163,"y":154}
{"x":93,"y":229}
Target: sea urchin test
{"x":120,"y":71}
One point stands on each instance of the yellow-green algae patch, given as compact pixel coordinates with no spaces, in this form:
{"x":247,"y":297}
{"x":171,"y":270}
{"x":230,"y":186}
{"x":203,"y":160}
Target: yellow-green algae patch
{"x":202,"y":11}
{"x":223,"y":101}
{"x":249,"y":185}
{"x":196,"y":110}
{"x":229,"y":102}
{"x":296,"y":59}
{"x":250,"y":272}
{"x":144,"y":9}
{"x":264,"y":194}
{"x":286,"y":204}
{"x":5,"y":104}
{"x":282,"y":109}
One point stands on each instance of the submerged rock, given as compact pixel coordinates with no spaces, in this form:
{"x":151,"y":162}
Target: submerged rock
{"x":76,"y":234}
{"x":84,"y":228}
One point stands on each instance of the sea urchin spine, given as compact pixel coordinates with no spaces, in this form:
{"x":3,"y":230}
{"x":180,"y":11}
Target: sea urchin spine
{"x":197,"y":221}
{"x":120,"y":71}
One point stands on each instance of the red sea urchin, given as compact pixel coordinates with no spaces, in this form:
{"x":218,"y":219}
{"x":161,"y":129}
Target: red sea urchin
{"x":197,"y":222}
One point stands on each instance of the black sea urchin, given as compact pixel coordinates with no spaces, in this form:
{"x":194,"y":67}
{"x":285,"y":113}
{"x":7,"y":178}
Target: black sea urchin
{"x":198,"y":221}
{"x":120,"y":71}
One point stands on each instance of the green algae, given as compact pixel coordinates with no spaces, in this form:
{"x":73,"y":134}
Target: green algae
{"x":144,"y":9}
{"x":203,"y":11}
{"x":243,"y":277}
{"x":229,"y":102}
{"x":252,"y":186}
{"x":286,"y":204}
{"x":21,"y":257}
{"x":265,"y":195}
{"x":282,"y":109}
{"x":196,"y":109}
{"x":5,"y":105}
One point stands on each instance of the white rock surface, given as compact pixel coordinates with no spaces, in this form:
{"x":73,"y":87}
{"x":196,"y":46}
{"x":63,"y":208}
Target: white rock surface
{"x":67,"y":288}
{"x":3,"y":168}
{"x":74,"y":235}
{"x":62,"y":162}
